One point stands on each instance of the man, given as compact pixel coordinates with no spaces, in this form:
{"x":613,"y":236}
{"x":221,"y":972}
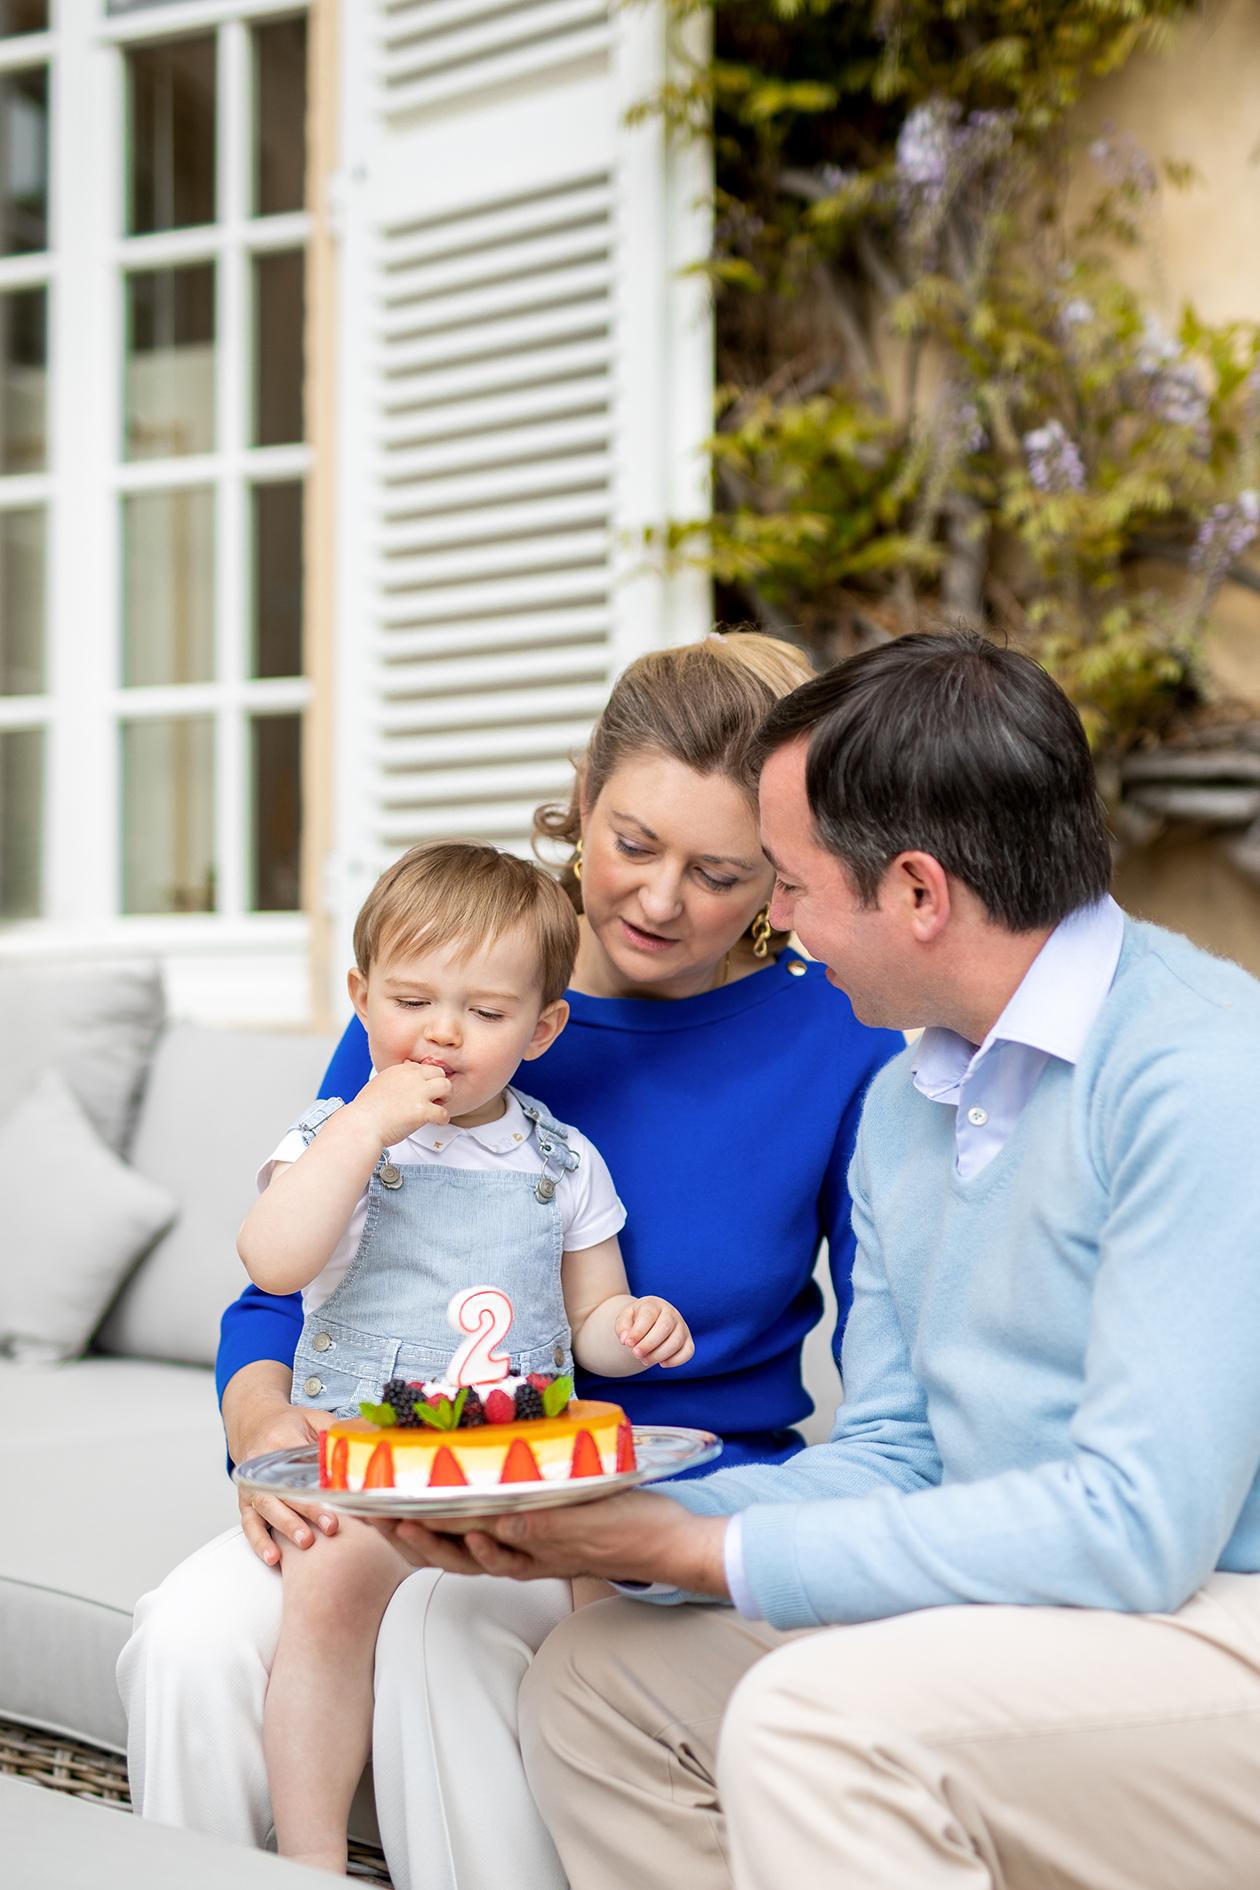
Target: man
{"x":1051,"y":1370}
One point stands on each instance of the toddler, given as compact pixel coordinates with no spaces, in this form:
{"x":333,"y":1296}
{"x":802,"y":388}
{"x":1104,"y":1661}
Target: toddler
{"x":438,"y":1176}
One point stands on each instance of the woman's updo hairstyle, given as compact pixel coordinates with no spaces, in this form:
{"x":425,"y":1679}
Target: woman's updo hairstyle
{"x":701,"y":704}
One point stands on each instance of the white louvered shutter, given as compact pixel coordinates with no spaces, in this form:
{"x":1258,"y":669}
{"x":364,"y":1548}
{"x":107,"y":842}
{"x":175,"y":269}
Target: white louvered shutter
{"x":525,"y":383}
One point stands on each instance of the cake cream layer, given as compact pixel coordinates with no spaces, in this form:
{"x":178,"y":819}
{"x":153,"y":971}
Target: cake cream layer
{"x":589,"y":1439}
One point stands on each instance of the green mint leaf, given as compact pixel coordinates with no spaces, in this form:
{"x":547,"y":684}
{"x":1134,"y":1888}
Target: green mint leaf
{"x":437,"y":1420}
{"x":556,"y":1397}
{"x":379,"y":1414}
{"x":461,"y":1399}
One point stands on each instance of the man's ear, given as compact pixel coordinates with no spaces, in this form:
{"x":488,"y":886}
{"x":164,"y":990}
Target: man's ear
{"x":920,"y":884}
{"x":551,"y":1021}
{"x":356,"y":984}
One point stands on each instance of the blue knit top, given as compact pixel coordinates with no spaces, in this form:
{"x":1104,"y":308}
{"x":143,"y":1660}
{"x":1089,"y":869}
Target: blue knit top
{"x":728,"y":1121}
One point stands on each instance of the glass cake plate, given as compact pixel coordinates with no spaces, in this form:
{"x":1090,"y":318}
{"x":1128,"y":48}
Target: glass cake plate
{"x":663,"y":1450}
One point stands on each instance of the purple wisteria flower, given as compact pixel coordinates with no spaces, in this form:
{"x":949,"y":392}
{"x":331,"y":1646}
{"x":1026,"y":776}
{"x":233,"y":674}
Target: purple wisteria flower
{"x":971,"y":434}
{"x":1225,"y":534}
{"x":925,"y":147}
{"x":1077,"y":313}
{"x":938,"y":149}
{"x":1174,"y":389}
{"x":1124,"y":163}
{"x":1054,"y":459}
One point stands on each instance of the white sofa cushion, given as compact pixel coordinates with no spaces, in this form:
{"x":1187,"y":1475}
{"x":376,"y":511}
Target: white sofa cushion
{"x":215,"y":1105}
{"x":96,"y":1023}
{"x":76,"y":1220}
{"x":112,"y":1472}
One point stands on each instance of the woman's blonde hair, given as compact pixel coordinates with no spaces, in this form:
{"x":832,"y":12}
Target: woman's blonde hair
{"x":701,"y":704}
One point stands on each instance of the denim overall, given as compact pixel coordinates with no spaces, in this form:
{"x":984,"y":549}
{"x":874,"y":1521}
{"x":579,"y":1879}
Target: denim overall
{"x":431,"y":1231}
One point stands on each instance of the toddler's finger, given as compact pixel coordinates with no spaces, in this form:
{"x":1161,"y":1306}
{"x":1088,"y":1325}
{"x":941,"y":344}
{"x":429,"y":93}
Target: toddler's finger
{"x":676,"y":1348}
{"x":659,"y":1330}
{"x":646,"y":1313}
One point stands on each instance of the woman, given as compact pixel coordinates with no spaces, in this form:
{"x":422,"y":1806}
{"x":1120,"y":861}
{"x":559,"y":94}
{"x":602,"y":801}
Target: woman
{"x":722,"y":1080}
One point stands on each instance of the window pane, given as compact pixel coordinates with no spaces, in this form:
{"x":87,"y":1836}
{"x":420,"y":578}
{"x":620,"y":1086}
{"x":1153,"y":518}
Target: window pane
{"x":170,"y":362}
{"x":23,"y":161}
{"x":168,"y":815}
{"x":279,"y":307}
{"x":21,"y":603}
{"x":277,"y":642}
{"x":21,"y":821}
{"x":23,"y":380}
{"x":23,"y":16}
{"x":276,"y":754}
{"x":168,"y":587}
{"x":279,"y":117}
{"x":170,"y":119}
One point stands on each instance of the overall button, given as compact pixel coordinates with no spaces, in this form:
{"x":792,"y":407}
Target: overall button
{"x":558,"y":1355}
{"x":312,"y":1387}
{"x":390,"y":1176}
{"x":322,"y":1341}
{"x":977,"y":1117}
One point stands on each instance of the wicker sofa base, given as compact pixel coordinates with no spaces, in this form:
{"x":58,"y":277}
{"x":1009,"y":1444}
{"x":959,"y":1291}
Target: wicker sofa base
{"x":69,"y":1765}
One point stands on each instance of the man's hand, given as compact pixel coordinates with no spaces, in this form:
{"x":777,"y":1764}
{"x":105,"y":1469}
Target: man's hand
{"x":635,"y":1537}
{"x":655,"y":1332}
{"x":401,"y":1098}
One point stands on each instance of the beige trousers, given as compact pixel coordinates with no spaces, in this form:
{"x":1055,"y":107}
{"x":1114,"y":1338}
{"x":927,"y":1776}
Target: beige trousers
{"x":968,"y":1748}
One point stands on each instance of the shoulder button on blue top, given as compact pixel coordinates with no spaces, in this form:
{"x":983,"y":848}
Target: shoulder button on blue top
{"x":796,"y":969}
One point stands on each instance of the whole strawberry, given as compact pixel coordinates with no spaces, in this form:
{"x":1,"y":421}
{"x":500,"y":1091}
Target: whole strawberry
{"x":500,"y":1409}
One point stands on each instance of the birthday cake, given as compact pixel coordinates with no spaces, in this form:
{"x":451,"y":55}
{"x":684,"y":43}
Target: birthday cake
{"x":492,"y":1435}
{"x":479,"y":1425}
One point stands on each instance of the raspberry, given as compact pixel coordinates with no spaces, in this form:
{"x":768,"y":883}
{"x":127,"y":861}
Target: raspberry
{"x":474,"y":1412}
{"x":499,"y":1408}
{"x":539,"y":1380}
{"x":529,"y":1404}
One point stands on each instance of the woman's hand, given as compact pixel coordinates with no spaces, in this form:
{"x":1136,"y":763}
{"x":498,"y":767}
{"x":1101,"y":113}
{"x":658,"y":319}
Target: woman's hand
{"x":258,"y":1417}
{"x":635,"y":1537}
{"x":655,"y":1332}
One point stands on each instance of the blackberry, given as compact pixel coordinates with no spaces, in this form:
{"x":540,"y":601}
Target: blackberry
{"x":529,"y":1403}
{"x":473,"y":1413}
{"x":403,"y":1397}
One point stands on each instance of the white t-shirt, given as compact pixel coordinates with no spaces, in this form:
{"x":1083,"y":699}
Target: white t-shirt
{"x":590,"y":1210}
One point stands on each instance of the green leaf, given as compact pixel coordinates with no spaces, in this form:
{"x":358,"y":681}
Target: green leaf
{"x":457,"y":1409}
{"x":383,"y":1415}
{"x":557,"y":1395}
{"x":437,"y":1417}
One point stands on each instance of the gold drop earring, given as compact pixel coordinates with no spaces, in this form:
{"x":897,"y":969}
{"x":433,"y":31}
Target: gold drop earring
{"x":576,"y":862}
{"x":761,"y":932}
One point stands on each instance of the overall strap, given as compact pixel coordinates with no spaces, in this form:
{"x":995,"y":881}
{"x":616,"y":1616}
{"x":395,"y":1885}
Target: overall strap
{"x":312,"y":1120}
{"x":552,"y":1138}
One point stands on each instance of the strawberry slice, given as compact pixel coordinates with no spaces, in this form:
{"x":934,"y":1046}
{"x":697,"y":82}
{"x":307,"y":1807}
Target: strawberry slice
{"x":626,"y":1459}
{"x":520,"y":1465}
{"x":340,"y":1459}
{"x":446,"y":1470}
{"x":379,"y":1474}
{"x":586,"y":1462}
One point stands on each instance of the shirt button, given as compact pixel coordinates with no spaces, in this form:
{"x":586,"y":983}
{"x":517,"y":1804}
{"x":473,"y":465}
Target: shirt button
{"x":977,"y":1117}
{"x":796,"y":969}
{"x":516,"y":1135}
{"x":321,"y":1341}
{"x":437,"y":1145}
{"x":312,"y":1386}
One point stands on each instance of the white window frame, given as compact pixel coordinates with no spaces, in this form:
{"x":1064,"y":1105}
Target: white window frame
{"x":231,"y":963}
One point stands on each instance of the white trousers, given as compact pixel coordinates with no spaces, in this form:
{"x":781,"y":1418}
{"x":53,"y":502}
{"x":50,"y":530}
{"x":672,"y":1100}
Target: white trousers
{"x":453,"y":1805}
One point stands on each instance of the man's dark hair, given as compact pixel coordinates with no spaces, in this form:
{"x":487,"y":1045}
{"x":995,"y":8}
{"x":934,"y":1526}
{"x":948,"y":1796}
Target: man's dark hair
{"x":953,"y":746}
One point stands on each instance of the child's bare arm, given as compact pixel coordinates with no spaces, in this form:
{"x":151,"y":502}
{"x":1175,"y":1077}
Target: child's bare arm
{"x":295,"y":1224}
{"x":615,"y":1334}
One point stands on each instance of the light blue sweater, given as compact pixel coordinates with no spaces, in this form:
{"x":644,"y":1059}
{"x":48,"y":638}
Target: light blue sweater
{"x":1052,"y":1371}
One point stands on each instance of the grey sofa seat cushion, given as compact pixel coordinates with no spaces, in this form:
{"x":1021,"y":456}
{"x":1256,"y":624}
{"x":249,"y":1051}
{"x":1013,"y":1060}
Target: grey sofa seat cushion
{"x":215,"y":1105}
{"x":96,"y":1023}
{"x":51,"y":1839}
{"x":112,"y":1472}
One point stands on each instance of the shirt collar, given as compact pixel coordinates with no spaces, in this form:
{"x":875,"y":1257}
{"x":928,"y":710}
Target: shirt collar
{"x":1053,"y":1008}
{"x":508,"y":1131}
